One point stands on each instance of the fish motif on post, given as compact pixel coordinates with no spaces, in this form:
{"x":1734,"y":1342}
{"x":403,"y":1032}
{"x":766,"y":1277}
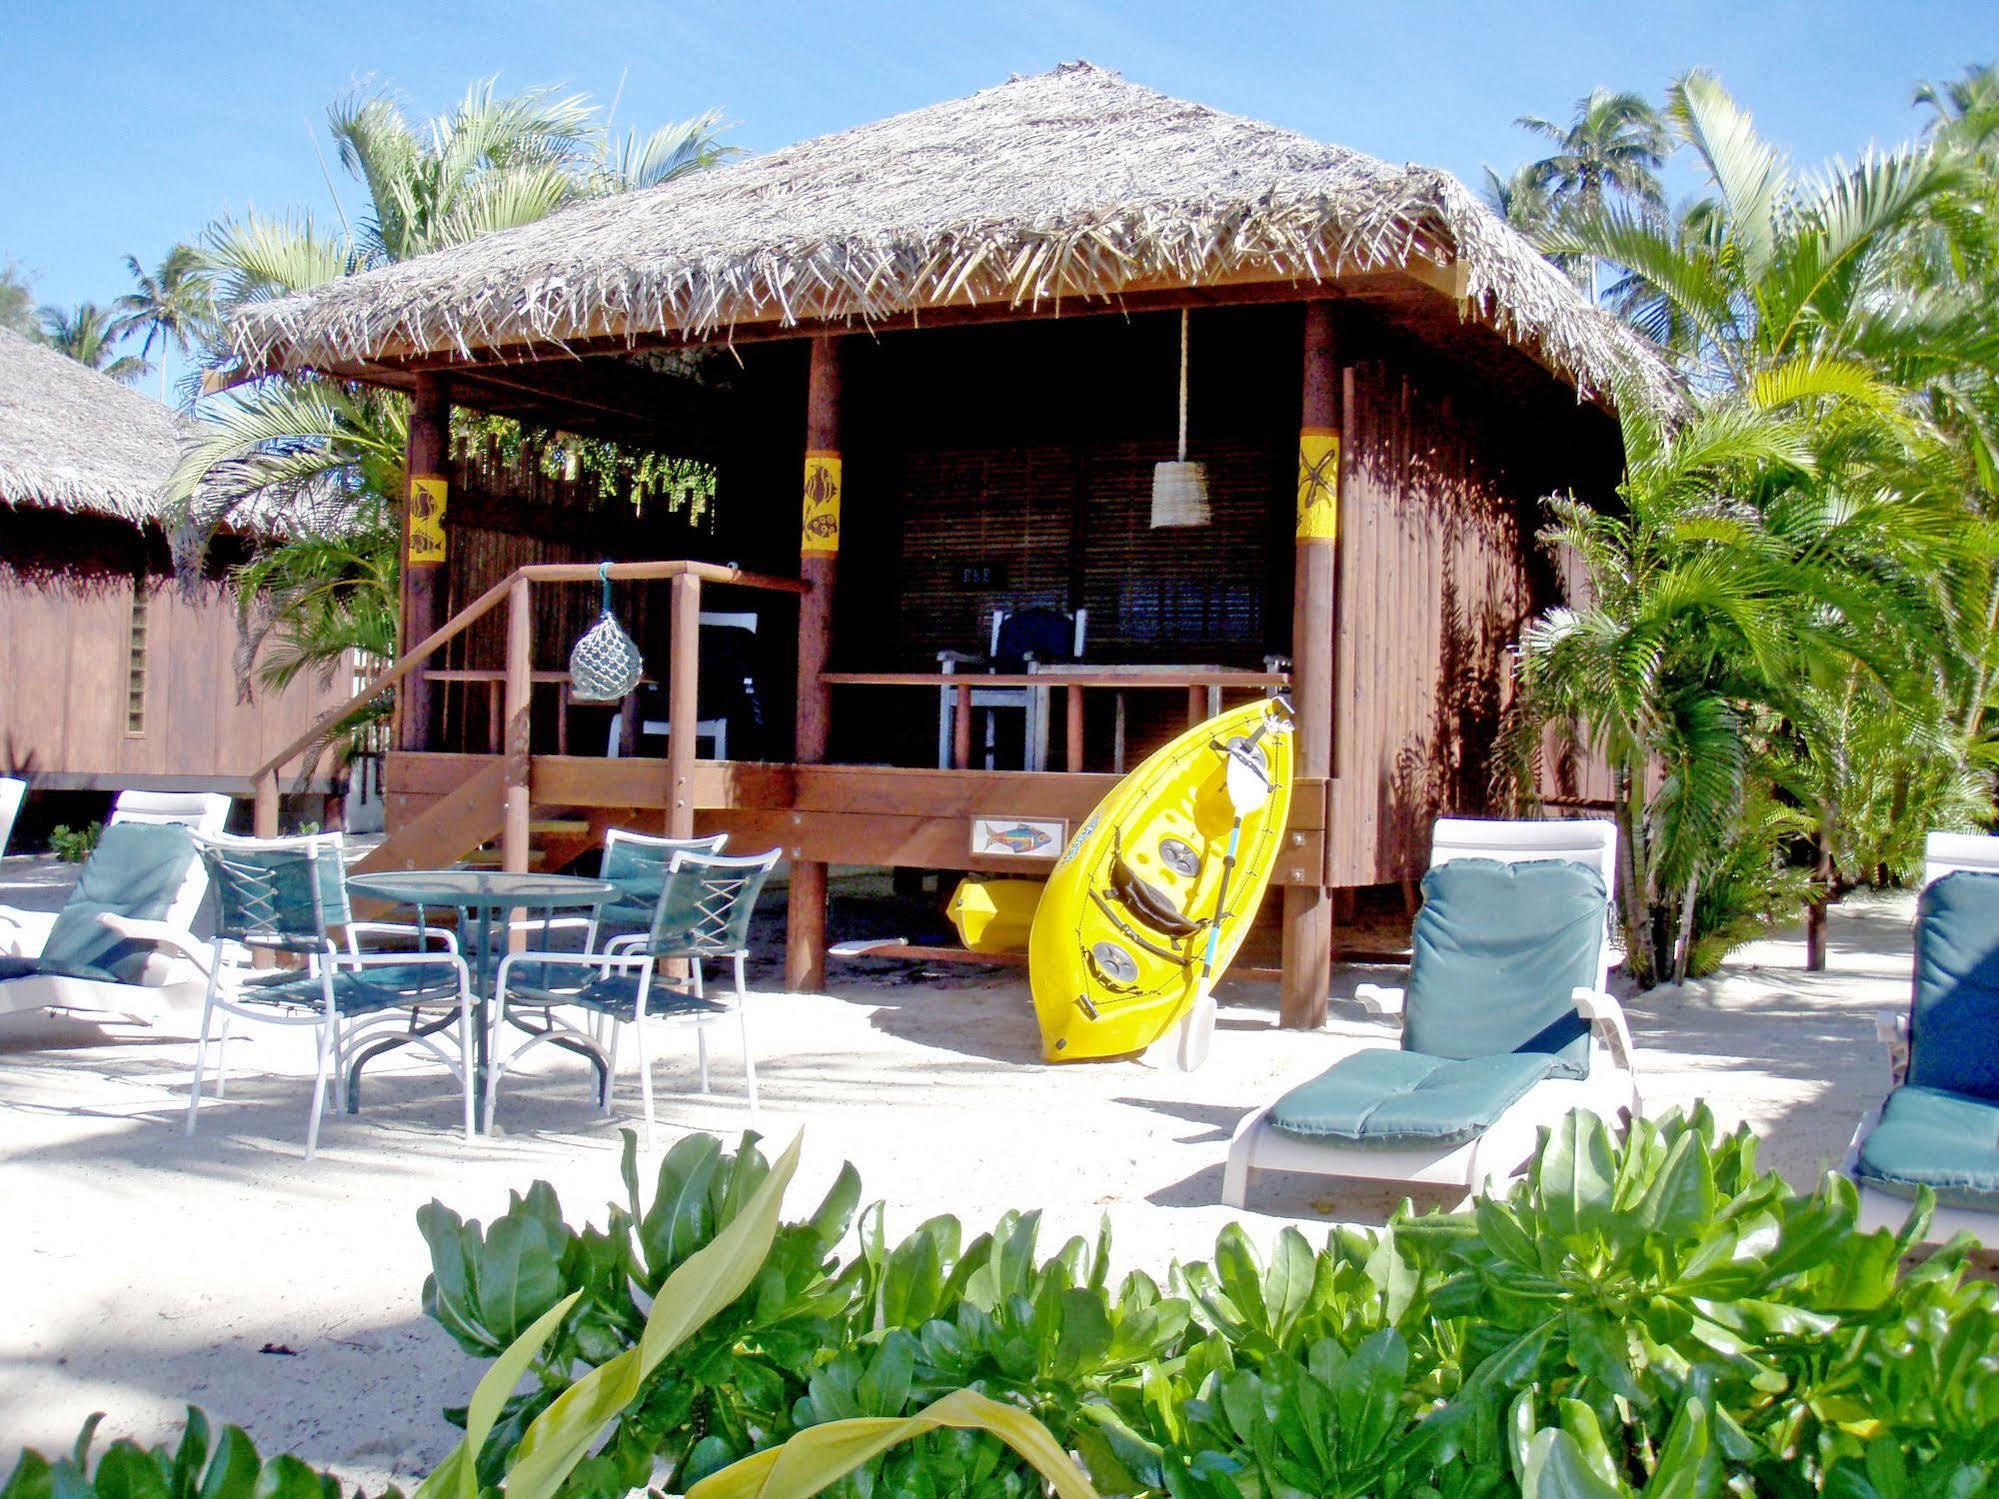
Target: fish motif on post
{"x":819,"y":529}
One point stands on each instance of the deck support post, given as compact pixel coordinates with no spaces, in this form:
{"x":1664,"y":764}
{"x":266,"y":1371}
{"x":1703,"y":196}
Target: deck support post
{"x":426,"y":463}
{"x":1308,"y":909}
{"x":681,"y":705}
{"x":818,"y":566}
{"x":264,"y":810}
{"x":515,"y":711}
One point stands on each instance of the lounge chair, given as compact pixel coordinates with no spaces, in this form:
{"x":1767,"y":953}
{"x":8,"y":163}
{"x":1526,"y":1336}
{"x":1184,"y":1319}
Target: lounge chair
{"x":12,"y":790}
{"x":288,"y":896}
{"x":1939,"y":1127}
{"x":1506,"y":1023}
{"x":97,"y":954}
{"x":702,"y":914}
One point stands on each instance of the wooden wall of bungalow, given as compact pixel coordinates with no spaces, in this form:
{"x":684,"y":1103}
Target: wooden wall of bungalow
{"x":1010,"y":465}
{"x":112,"y":676}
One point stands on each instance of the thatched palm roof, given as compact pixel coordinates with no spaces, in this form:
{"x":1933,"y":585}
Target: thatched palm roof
{"x":1069,"y":184}
{"x":72,"y":439}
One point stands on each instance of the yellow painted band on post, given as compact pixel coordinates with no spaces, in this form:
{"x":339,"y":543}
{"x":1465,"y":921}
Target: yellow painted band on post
{"x":819,"y":525}
{"x":427,"y":501}
{"x":1318,"y":484}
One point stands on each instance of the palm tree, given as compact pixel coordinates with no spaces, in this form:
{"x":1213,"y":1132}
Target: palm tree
{"x":1613,"y":147}
{"x":89,"y":335}
{"x":301,"y":446}
{"x":17,"y":303}
{"x":172,"y":306}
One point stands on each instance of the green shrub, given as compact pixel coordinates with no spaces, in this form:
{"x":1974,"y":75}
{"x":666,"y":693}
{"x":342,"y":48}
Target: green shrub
{"x":1649,"y":1315}
{"x":72,"y":846}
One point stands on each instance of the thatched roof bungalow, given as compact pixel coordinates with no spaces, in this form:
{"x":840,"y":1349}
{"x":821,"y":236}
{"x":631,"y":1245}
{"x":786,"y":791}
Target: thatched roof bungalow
{"x":975,"y":329}
{"x":111,"y":674}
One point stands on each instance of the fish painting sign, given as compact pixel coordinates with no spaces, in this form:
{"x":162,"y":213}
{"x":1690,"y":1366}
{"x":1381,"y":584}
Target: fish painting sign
{"x":820,"y":522}
{"x":1018,"y":837}
{"x":426,"y":531}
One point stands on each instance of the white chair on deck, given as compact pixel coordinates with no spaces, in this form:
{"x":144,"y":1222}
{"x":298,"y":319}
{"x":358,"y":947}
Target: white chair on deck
{"x":714,"y":730}
{"x":1507,"y":1025}
{"x":1002,"y":654}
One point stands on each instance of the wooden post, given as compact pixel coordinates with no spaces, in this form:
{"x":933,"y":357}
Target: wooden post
{"x":961,"y":726}
{"x":1075,"y":745}
{"x":520,"y":663}
{"x":426,"y":461}
{"x":264,"y":820}
{"x":682,"y":698}
{"x":818,"y":566}
{"x":1308,"y":911}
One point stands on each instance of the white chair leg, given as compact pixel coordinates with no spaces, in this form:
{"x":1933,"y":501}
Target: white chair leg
{"x":467,"y":1073}
{"x":200,"y":1061}
{"x":1242,"y":1160}
{"x":617,"y":1031}
{"x":495,"y":1062}
{"x":222,"y":1057}
{"x":645,"y":1069}
{"x":325,"y":1029}
{"x":701,"y":1056}
{"x":743,"y":1025}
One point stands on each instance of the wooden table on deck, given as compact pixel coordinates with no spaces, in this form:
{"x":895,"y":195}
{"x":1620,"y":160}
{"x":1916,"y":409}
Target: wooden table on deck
{"x":1203,"y":685}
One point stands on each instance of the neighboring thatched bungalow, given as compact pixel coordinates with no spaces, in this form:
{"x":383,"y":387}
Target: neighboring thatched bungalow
{"x":112,"y":676}
{"x":966,"y":328}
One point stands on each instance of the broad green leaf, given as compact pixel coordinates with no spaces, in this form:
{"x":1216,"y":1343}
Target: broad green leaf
{"x":127,"y":1471}
{"x":706,"y":1282}
{"x":835,"y":1213}
{"x":190,"y":1454}
{"x":1287,"y":1288}
{"x":459,"y":1470}
{"x":820,"y":1456}
{"x":232,"y":1472}
{"x":1577,"y":1177}
{"x":1680,"y":1200}
{"x":1558,"y":1468}
{"x":32,"y":1478}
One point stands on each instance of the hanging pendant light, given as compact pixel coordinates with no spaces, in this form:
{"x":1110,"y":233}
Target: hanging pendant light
{"x":1180,"y":488}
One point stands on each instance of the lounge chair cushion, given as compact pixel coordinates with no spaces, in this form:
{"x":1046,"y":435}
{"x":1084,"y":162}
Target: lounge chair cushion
{"x":1404,"y":1098}
{"x":1954,"y":1032}
{"x":1928,"y":1137}
{"x":136,"y":870}
{"x":20,"y":968}
{"x":1498,"y":951}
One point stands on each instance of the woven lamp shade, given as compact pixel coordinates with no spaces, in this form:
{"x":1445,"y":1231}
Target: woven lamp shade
{"x":1180,"y":494}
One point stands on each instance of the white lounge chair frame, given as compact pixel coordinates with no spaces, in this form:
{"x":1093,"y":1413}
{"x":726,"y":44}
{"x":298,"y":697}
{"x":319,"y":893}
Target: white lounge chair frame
{"x":12,"y":790}
{"x":1501,"y":1150}
{"x":1943,"y":853}
{"x":175,"y":976}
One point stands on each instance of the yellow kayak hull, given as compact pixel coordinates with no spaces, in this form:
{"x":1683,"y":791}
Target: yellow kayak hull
{"x":1115,"y":953}
{"x":992,"y":914}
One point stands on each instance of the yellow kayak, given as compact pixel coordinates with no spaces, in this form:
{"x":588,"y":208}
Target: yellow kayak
{"x":1146,"y":908}
{"x":992,"y":914}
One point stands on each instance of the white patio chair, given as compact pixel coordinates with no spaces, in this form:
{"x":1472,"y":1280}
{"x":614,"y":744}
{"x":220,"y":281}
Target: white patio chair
{"x":103,"y":953}
{"x":1507,"y":1023}
{"x":702,"y":914}
{"x":1939,"y":1125}
{"x":289,"y":896}
{"x":1033,"y":702}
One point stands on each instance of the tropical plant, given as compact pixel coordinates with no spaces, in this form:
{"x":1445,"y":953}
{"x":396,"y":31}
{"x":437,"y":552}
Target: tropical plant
{"x":172,"y":306}
{"x":204,"y":1464}
{"x":1649,"y":1314}
{"x":1612,"y":149}
{"x":322,"y":456}
{"x":17,"y":302}
{"x":89,"y":335}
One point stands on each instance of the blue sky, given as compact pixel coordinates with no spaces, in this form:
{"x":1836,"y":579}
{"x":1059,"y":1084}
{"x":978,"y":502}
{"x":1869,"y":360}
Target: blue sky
{"x":126,"y":126}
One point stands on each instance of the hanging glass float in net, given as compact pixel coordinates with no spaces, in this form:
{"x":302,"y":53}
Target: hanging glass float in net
{"x":605,"y":665}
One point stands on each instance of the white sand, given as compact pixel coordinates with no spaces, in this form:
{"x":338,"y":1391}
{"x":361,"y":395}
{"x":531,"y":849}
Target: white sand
{"x":140,"y":1270}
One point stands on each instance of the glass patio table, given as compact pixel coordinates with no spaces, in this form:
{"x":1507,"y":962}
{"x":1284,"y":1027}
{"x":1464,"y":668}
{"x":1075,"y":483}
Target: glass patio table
{"x":479,"y":896}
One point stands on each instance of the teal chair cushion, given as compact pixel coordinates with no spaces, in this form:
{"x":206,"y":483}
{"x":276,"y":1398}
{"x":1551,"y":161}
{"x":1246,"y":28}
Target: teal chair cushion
{"x":1954,"y":1025}
{"x":1498,"y":950}
{"x":1928,"y":1137}
{"x":616,"y":995}
{"x":136,"y":870}
{"x":356,"y":991}
{"x":1390,"y":1098}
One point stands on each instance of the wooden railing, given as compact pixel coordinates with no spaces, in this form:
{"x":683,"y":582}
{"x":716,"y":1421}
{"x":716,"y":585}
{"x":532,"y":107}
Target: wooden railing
{"x":516,"y":589}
